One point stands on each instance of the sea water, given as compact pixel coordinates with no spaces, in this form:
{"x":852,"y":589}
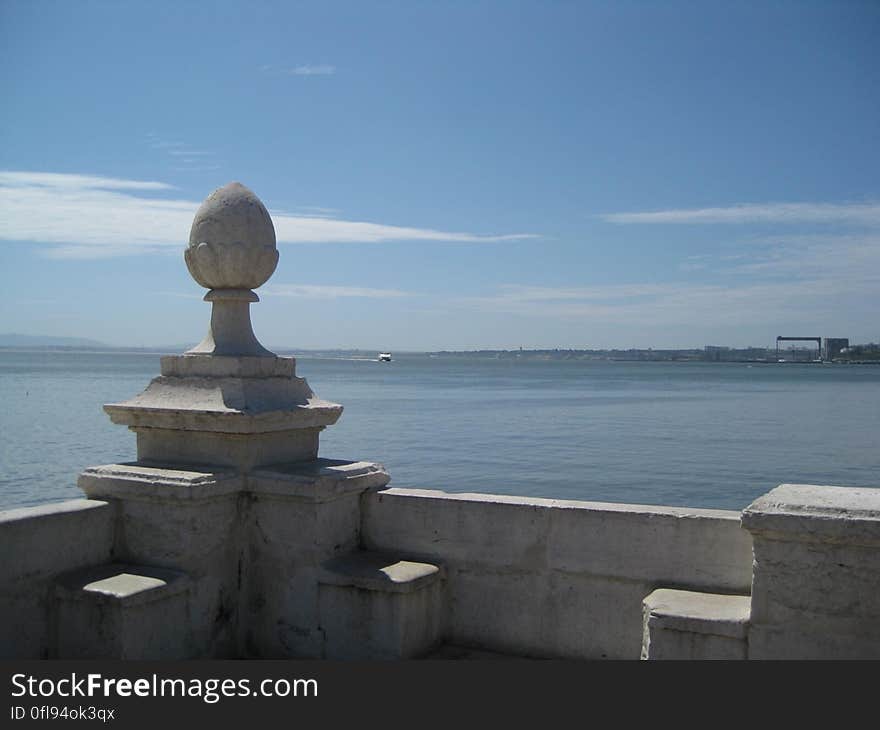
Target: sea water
{"x":688,"y":434}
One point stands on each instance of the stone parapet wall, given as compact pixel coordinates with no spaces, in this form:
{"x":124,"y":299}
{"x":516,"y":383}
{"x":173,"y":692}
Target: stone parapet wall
{"x":37,"y":544}
{"x":534,"y":577}
{"x":553,"y":578}
{"x":795,"y":575}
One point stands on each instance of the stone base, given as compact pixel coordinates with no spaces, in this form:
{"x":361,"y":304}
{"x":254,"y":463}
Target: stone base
{"x":691,"y":625}
{"x":252,"y":544}
{"x":239,"y":411}
{"x":377,"y":606}
{"x":123,"y":612}
{"x":233,"y":450}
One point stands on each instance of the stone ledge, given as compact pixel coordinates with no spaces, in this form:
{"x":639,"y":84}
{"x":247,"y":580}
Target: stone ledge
{"x":53,"y":509}
{"x":149,"y":481}
{"x":698,"y":613}
{"x":121,"y":584}
{"x":319,"y":480}
{"x":315,"y":413}
{"x":809,"y":513}
{"x":378,"y":572}
{"x":537,"y":503}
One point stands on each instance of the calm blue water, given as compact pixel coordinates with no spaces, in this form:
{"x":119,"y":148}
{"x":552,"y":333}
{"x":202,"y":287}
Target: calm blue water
{"x":690,"y":434}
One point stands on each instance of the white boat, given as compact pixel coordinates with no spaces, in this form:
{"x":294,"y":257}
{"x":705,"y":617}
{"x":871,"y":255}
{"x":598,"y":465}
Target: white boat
{"x":384,"y":357}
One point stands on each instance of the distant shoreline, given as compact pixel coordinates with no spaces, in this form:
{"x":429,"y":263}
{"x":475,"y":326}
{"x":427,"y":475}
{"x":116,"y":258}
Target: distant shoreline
{"x":634,"y":355}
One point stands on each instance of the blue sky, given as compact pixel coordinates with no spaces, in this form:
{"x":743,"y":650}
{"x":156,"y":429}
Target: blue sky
{"x":448,"y":175}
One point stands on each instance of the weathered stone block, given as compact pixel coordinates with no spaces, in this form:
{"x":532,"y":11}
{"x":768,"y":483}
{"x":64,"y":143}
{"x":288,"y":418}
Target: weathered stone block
{"x":187,"y":519}
{"x":122,"y":611}
{"x":691,"y":625}
{"x":816,"y":584}
{"x":38,"y":543}
{"x":378,"y":606}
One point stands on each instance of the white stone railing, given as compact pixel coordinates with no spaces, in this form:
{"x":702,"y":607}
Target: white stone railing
{"x":533,"y":577}
{"x":553,"y":578}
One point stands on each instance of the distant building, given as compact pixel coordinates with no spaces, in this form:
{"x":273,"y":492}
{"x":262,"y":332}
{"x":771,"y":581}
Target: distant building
{"x":832,"y":347}
{"x":716,"y":354}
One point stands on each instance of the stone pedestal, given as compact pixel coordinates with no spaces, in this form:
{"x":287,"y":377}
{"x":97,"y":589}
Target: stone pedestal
{"x":238,"y":411}
{"x":251,"y":543}
{"x":300,"y":516}
{"x":227,"y":487}
{"x":188,"y":519}
{"x":816,"y":581}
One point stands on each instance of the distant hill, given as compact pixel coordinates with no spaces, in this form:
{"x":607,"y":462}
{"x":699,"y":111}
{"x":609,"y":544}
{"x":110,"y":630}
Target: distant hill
{"x":16,"y":340}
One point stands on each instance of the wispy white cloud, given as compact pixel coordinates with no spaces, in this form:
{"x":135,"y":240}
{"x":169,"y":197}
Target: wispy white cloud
{"x":792,"y":277}
{"x":314,"y":291}
{"x":307,"y":70}
{"x":63,"y":181}
{"x":310,"y":229}
{"x":849,"y":257}
{"x":788,"y":275}
{"x":861,"y":214}
{"x":321,"y":69}
{"x":185,"y":152}
{"x":678,"y":303}
{"x":90,"y":216}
